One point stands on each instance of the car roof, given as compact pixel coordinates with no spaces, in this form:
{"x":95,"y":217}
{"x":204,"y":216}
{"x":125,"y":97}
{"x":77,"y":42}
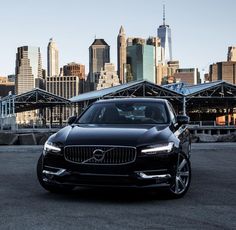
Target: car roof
{"x":128,"y":99}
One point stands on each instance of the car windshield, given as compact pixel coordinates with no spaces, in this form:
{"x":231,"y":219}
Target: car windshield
{"x":125,"y":113}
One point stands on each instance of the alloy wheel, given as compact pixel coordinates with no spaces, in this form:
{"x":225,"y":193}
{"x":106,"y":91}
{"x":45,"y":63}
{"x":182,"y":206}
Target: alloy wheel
{"x":182,"y":177}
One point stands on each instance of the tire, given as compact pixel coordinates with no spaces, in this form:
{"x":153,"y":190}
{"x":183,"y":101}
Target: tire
{"x":182,"y":178}
{"x":50,"y":187}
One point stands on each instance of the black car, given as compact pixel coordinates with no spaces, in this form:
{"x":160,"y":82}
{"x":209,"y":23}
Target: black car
{"x":128,"y":142}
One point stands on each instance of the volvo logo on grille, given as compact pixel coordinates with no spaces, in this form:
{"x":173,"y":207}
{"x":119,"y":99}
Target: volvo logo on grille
{"x":98,"y":154}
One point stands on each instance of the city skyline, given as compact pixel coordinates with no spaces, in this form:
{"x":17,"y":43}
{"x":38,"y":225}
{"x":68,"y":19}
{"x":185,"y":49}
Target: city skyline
{"x":201,"y":31}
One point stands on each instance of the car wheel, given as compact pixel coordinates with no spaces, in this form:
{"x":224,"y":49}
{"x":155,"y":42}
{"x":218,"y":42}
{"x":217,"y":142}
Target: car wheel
{"x":49,"y":187}
{"x":182,"y":178}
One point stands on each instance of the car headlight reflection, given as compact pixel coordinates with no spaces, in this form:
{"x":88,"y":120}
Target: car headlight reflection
{"x":168,"y":147}
{"x":51,"y":147}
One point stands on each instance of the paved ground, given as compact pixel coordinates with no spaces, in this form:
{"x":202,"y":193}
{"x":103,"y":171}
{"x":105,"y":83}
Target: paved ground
{"x":209,"y":204}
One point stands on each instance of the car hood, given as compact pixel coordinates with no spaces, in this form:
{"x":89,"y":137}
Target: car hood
{"x":125,"y":135}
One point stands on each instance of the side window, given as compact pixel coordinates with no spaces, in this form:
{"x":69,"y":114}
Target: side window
{"x":172,"y":113}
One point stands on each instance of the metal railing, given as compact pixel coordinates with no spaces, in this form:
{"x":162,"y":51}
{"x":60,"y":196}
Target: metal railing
{"x":210,"y":123}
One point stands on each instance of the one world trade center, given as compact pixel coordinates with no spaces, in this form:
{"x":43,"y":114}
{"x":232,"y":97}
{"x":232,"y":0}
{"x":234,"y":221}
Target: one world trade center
{"x":164,"y":33}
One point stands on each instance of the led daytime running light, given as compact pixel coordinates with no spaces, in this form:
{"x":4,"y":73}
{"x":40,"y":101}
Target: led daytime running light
{"x":50,"y":147}
{"x":168,"y":148}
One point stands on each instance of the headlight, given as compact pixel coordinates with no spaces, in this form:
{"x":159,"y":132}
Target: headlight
{"x":49,"y":146}
{"x":168,"y":147}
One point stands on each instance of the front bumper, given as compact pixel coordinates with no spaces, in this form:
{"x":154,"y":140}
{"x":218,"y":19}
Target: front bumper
{"x":144,"y":172}
{"x":61,"y":176}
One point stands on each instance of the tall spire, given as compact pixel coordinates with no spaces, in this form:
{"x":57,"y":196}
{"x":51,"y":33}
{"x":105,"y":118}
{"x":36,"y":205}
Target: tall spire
{"x":122,"y":31}
{"x":164,"y":33}
{"x":164,"y":15}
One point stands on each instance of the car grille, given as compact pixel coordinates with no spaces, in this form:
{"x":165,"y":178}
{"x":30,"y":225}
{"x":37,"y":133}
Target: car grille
{"x":108,"y":155}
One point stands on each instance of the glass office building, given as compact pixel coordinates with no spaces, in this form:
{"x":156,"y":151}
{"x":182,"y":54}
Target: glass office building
{"x":141,"y":59}
{"x":164,"y":33}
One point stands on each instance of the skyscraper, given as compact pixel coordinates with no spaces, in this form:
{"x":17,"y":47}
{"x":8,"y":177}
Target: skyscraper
{"x":53,"y":59}
{"x":28,"y":77}
{"x":28,"y":68}
{"x":159,"y":55}
{"x":121,"y":54}
{"x":164,"y":33}
{"x":99,"y":54}
{"x":141,"y":62}
{"x":159,"y":51}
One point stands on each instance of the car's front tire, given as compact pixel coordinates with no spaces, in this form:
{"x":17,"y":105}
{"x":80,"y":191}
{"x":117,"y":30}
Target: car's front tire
{"x":50,"y":187}
{"x":182,"y":178}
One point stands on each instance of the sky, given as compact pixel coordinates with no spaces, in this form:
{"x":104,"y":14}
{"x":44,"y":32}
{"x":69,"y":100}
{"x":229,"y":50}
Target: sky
{"x":201,"y":30}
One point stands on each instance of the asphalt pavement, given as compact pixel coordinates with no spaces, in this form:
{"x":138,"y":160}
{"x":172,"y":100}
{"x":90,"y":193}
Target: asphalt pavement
{"x":209,"y":204}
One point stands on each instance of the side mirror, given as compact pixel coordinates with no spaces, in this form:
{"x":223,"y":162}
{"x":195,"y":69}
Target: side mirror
{"x":71,"y":120}
{"x":182,"y":120}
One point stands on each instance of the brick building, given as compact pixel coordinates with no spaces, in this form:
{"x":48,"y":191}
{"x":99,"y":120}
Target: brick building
{"x":225,"y":71}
